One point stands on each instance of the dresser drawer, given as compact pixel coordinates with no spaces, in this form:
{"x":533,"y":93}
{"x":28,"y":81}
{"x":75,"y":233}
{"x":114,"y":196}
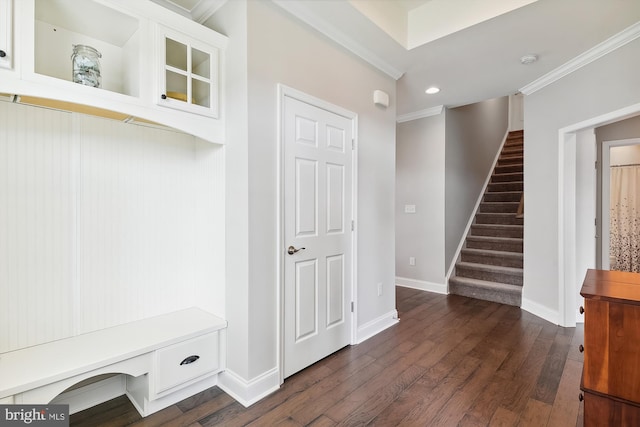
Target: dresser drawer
{"x":186,"y":360}
{"x":612,"y":348}
{"x":600,"y":411}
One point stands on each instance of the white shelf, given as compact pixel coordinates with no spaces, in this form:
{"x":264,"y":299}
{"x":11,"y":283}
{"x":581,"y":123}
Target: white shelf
{"x":126,"y":34}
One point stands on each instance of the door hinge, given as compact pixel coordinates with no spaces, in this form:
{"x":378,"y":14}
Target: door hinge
{"x":353,"y":225}
{"x":353,"y":144}
{"x":596,"y":164}
{"x":352,"y":306}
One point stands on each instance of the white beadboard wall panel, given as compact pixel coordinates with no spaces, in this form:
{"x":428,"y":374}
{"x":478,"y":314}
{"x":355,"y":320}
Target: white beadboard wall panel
{"x":144,"y":221}
{"x":36,"y":226}
{"x":106,"y":223}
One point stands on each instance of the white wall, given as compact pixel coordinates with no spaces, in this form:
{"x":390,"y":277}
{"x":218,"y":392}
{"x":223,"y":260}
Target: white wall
{"x":103,"y":223}
{"x":474,"y":134}
{"x":606,"y":85}
{"x":280,"y":49}
{"x":420,"y":171}
{"x":231,"y":20}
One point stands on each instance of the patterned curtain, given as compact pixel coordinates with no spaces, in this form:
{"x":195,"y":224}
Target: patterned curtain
{"x":625,"y":218}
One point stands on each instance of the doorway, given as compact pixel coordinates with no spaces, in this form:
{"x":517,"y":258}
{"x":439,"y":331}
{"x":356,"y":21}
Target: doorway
{"x":317,"y":201}
{"x":620,"y":158}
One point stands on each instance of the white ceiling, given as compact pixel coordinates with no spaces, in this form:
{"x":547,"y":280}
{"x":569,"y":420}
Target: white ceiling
{"x":478,"y":62}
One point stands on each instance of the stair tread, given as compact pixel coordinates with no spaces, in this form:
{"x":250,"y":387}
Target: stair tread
{"x":499,"y":226}
{"x":489,"y":252}
{"x":485,"y":284}
{"x":500,"y":239}
{"x":490,"y":267}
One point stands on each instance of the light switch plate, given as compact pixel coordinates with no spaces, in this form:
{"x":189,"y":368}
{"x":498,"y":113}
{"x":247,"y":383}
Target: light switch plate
{"x":409,"y":208}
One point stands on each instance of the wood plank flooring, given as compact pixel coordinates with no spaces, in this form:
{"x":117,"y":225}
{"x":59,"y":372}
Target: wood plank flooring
{"x":451,"y":361}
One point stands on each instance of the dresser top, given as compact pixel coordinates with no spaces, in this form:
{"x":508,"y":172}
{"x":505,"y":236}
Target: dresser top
{"x":612,"y":286}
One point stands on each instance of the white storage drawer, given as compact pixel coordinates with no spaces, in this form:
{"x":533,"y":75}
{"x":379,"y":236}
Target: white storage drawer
{"x":186,"y":360}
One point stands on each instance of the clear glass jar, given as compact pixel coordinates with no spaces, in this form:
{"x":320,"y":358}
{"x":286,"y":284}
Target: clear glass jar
{"x":86,"y":65}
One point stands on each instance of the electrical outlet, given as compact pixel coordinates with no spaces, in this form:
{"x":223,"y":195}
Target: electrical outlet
{"x":412,"y":260}
{"x":379,"y":289}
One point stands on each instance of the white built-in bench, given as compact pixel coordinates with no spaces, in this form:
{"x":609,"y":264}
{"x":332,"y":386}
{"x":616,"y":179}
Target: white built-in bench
{"x":164,"y":359}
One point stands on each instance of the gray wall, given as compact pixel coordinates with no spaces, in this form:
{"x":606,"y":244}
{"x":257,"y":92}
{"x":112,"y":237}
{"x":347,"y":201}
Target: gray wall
{"x":420,"y":160}
{"x":473,"y":136}
{"x":280,"y":49}
{"x":606,"y":85}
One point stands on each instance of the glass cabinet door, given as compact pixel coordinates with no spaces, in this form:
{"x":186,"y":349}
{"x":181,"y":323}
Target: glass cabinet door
{"x":188,"y":76}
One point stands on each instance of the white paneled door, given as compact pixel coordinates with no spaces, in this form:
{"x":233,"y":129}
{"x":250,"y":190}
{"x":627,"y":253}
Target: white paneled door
{"x":317,"y":233}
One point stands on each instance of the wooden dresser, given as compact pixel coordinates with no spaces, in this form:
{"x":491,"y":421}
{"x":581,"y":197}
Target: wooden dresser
{"x":611,"y":373}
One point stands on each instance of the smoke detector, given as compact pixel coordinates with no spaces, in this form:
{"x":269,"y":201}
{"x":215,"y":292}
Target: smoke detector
{"x":528,"y":59}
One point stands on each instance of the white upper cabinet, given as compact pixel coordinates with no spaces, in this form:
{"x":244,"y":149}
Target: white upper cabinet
{"x":189,"y":73}
{"x":6,"y":34}
{"x":133,"y":58}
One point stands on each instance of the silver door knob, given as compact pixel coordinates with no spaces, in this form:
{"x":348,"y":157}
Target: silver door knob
{"x":291,"y":250}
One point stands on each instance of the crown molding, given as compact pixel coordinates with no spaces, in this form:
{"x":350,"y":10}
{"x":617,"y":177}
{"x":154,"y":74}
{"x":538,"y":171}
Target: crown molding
{"x":301,"y":12}
{"x":205,"y":9}
{"x":625,"y":36}
{"x":420,"y":114}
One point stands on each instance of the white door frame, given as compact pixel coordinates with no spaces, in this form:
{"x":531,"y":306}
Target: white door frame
{"x":285,"y":91}
{"x":567,"y":275}
{"x":605,"y":200}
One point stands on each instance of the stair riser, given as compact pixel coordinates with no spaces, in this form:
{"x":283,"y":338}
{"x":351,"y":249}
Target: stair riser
{"x":508,"y":169}
{"x":512,"y":149}
{"x":492,"y":260}
{"x":495,"y":246}
{"x":506,"y":219}
{"x":509,"y":298}
{"x":516,"y":233}
{"x":505,"y":207}
{"x":502,"y":197}
{"x":510,"y":160}
{"x":505,"y":186}
{"x":489,"y":276}
{"x":507,"y":177}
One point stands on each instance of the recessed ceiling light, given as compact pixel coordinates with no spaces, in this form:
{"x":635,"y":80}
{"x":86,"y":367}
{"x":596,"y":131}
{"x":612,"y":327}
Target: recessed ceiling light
{"x":528,"y":59}
{"x":432,"y":90}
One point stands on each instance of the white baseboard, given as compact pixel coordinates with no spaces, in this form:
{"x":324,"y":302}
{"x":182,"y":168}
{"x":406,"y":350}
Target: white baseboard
{"x":93,"y":394}
{"x":249,"y":392}
{"x":376,"y":326}
{"x":541,"y":311}
{"x":439,"y":288}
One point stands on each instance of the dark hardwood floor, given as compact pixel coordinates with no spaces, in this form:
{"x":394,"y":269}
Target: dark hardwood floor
{"x":451,"y":361}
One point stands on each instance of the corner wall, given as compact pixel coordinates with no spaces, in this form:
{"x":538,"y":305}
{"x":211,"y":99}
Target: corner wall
{"x":606,"y":85}
{"x":420,"y":171}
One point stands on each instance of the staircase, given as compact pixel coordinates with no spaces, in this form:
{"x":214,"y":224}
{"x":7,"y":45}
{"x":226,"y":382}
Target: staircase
{"x":490,"y":264}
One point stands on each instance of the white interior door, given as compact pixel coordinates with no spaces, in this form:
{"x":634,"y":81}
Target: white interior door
{"x":317,"y":233}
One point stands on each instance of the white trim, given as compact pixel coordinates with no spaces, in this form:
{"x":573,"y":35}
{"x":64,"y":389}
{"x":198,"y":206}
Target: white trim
{"x":625,"y":36}
{"x":204,"y":9}
{"x":567,"y":199}
{"x":605,"y":199}
{"x":475,"y":209}
{"x":92,"y":394}
{"x":420,"y":114}
{"x":439,"y":288}
{"x":286,"y":91}
{"x":249,"y":392}
{"x":540,"y":311}
{"x":300,"y":11}
{"x":376,"y":326}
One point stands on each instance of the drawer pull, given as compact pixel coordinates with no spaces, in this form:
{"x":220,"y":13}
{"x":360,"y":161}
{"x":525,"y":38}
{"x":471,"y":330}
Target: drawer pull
{"x":190,"y":359}
{"x":581,"y":348}
{"x":581,"y":310}
{"x":580,"y":397}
